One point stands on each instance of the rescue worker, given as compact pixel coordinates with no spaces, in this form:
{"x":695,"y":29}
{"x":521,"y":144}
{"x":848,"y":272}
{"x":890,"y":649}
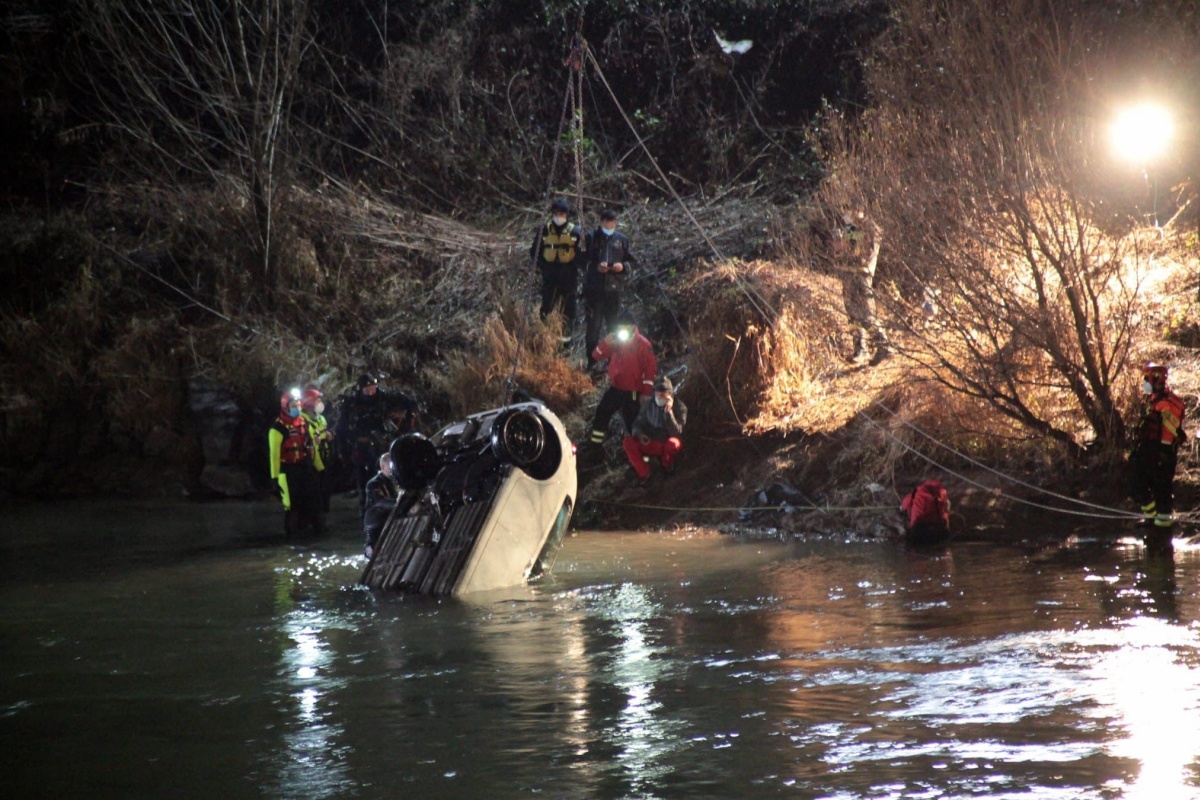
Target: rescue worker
{"x":610,"y":259}
{"x":312,"y":408}
{"x":631,"y":368}
{"x":1152,"y":462}
{"x":369,"y":419}
{"x":381,"y":499}
{"x":927,"y":514}
{"x":557,"y":248}
{"x":656,"y":431}
{"x":856,"y":254}
{"x":295,"y":462}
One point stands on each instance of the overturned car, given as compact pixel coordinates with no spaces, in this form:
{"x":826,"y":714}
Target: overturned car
{"x":484,"y":504}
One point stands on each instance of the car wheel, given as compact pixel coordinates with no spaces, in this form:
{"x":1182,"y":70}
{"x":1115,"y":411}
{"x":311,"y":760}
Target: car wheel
{"x":519,"y":437}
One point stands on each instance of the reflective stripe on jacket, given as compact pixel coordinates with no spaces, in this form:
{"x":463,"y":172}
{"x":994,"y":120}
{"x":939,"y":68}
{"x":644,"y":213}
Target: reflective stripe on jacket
{"x":1162,"y":421}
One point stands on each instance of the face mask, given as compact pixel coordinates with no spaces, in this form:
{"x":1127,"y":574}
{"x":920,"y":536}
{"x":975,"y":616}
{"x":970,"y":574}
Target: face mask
{"x":608,"y":231}
{"x":660,"y":401}
{"x":1147,"y":388}
{"x":320,"y":408}
{"x":293,"y":412}
{"x":560,"y":220}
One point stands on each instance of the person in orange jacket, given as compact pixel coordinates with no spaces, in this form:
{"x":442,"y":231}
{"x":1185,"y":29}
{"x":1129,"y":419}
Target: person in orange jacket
{"x":1152,"y":462}
{"x":295,"y":461}
{"x":631,"y":368}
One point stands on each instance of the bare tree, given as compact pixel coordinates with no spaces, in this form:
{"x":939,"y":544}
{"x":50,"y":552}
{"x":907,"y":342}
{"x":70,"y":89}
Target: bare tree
{"x":203,"y":88}
{"x":975,"y":160}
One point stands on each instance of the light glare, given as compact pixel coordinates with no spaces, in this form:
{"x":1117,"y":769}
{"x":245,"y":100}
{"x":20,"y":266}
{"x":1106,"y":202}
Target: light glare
{"x":1141,"y":133}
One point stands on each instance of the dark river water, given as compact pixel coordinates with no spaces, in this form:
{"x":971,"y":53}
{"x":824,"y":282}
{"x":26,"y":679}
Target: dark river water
{"x":183,"y":651}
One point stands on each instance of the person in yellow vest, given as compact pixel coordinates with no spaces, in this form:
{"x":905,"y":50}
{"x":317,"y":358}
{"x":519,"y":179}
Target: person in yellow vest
{"x":295,"y":463}
{"x":556,"y":249}
{"x":312,"y":408}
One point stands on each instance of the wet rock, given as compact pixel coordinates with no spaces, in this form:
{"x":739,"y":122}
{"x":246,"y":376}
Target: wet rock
{"x":220,"y":423}
{"x":227,"y":481}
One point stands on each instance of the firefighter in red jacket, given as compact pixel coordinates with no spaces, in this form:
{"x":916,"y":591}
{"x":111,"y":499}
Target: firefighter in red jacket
{"x":1152,"y":461}
{"x":927,"y":514}
{"x":631,"y":368}
{"x":295,"y":462}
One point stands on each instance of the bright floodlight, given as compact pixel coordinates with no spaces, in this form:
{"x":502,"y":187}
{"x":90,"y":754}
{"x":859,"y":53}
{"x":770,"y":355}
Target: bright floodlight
{"x":1141,"y":133}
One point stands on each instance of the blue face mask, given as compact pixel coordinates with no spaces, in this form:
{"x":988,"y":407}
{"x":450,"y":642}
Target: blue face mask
{"x":608,"y":232}
{"x":293,"y":412}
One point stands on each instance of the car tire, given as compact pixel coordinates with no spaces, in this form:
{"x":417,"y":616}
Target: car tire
{"x":519,"y":437}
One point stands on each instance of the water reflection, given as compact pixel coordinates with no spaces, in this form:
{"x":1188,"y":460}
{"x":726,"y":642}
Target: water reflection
{"x":313,"y":763}
{"x":656,"y":666}
{"x":643,"y":738}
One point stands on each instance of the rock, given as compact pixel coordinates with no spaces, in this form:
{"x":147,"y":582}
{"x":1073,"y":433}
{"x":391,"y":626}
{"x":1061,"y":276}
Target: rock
{"x":218,"y":421}
{"x":227,"y":481}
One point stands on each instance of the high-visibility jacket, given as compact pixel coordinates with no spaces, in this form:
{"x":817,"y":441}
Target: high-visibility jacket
{"x":928,"y":503}
{"x":1162,"y":419}
{"x":559,"y":245}
{"x":631,"y":364}
{"x":290,"y":442}
{"x":318,"y":426}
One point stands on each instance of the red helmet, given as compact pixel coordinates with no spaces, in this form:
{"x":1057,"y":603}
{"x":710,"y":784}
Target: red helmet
{"x":1156,"y":374}
{"x":310,"y":398}
{"x":287,"y":398}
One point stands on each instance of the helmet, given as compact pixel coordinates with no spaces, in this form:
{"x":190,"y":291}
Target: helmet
{"x":367,"y":379}
{"x":1156,"y":374}
{"x":560,"y":205}
{"x":309,"y":401}
{"x":287,"y":398}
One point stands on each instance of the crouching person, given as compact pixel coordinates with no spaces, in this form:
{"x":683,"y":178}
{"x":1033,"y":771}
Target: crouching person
{"x":656,"y":431}
{"x":381,"y":493}
{"x":927,"y":515}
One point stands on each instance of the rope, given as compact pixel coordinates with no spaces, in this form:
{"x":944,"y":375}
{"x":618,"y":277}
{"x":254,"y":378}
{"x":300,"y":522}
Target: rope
{"x":996,"y":472}
{"x":760,"y":303}
{"x":172,"y":286}
{"x":762,"y":307}
{"x":573,"y":103}
{"x":1118,"y":513}
{"x":763,"y":509}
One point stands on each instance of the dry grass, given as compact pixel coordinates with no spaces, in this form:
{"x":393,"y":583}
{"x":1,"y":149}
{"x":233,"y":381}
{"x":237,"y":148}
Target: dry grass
{"x":514,"y":345}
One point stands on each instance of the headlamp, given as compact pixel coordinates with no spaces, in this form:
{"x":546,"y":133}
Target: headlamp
{"x":295,"y":394}
{"x":623,"y":334}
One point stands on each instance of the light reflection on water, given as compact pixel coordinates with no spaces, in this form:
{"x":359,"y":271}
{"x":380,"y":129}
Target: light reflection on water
{"x":648,"y":666}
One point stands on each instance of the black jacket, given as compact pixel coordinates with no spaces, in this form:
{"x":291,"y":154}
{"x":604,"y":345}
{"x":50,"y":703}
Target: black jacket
{"x":612,"y":249}
{"x":364,"y":419}
{"x":381,"y":499}
{"x":658,"y":423}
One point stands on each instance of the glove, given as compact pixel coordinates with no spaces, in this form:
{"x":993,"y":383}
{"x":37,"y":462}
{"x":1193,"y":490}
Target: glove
{"x":283,"y":492}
